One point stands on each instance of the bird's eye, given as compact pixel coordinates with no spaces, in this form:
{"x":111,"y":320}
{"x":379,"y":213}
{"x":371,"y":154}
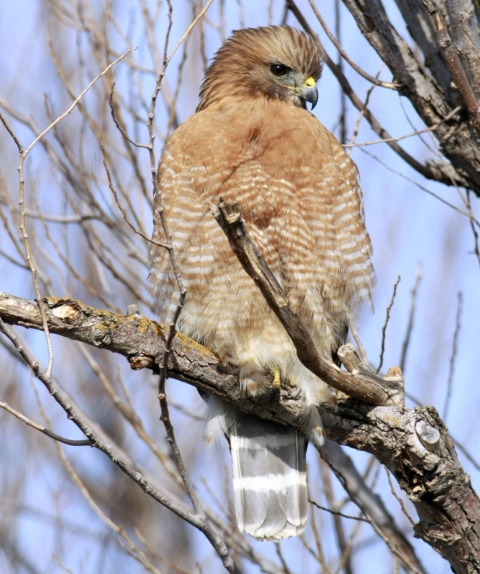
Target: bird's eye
{"x":278,"y":70}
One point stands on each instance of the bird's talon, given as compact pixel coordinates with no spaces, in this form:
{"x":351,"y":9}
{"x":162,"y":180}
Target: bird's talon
{"x":276,"y":378}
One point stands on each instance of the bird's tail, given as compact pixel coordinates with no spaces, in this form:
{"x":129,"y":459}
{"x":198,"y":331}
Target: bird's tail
{"x":269,"y":478}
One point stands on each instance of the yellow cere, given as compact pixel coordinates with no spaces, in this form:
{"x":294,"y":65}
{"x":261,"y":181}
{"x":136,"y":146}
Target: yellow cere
{"x":310,"y":82}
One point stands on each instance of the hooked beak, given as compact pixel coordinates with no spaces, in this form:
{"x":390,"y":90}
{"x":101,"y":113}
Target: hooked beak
{"x":309,"y":93}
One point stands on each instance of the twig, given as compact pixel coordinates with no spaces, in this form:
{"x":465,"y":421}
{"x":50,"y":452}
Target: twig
{"x":118,"y":529}
{"x":343,"y":99}
{"x":286,"y":569}
{"x":120,"y":126}
{"x":384,"y":328}
{"x":188,"y":30}
{"x":400,"y":501}
{"x":413,"y":302}
{"x":343,"y":547}
{"x":466,"y":454}
{"x":320,"y":558}
{"x":411,"y":134}
{"x":370,"y":504}
{"x":358,"y":342}
{"x":337,"y":513}
{"x":472,"y":225}
{"x":338,"y":46}
{"x":316,"y":535}
{"x":44,"y":430}
{"x":120,"y":206}
{"x":426,"y":190}
{"x":453,"y":356}
{"x":361,"y":114}
{"x":75,"y":101}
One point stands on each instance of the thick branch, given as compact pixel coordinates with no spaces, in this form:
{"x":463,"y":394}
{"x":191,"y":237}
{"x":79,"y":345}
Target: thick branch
{"x":437,"y":171}
{"x":458,"y":143}
{"x":412,"y":443}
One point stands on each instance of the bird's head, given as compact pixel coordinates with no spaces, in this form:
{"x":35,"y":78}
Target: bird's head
{"x":277,"y":62}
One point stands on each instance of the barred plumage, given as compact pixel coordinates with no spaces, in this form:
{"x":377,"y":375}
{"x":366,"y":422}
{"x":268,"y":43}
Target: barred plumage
{"x":253,"y":142}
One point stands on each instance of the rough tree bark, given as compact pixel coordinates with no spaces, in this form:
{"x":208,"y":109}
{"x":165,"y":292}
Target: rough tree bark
{"x":433,"y":97}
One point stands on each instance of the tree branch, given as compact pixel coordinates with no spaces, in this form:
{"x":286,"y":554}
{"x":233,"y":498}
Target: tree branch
{"x":412,"y":443}
{"x":430,"y":102}
{"x":365,"y":385}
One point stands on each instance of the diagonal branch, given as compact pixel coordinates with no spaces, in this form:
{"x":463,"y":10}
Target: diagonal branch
{"x":364,"y":385}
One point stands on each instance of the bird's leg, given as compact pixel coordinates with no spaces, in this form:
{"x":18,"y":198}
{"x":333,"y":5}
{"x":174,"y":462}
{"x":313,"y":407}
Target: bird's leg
{"x":255,"y":381}
{"x":276,"y":378}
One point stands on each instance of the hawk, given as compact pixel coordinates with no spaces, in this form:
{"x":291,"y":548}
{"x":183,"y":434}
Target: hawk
{"x":253,"y":141}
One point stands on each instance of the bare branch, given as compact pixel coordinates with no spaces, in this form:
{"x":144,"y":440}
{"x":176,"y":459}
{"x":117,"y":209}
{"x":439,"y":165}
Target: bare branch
{"x":438,"y":172}
{"x":371,"y":79}
{"x":364,"y":385}
{"x":412,"y":443}
{"x":196,"y":520}
{"x":44,"y":430}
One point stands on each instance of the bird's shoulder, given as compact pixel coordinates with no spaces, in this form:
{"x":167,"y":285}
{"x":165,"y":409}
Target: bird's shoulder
{"x":271,"y":133}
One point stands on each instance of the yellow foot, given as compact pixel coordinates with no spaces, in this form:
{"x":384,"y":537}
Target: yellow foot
{"x":276,"y":378}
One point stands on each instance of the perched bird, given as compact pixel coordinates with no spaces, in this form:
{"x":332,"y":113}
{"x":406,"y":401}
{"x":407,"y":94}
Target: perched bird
{"x":252,"y":141}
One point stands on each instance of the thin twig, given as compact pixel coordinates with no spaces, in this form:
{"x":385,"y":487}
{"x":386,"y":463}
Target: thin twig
{"x":426,"y":190}
{"x":472,"y":225}
{"x":320,"y":556}
{"x":453,"y":356}
{"x":384,"y":328}
{"x":343,"y":547}
{"x":75,"y":101}
{"x":337,"y":513}
{"x":188,"y":30}
{"x":413,"y":303}
{"x":120,"y":206}
{"x":286,"y":569}
{"x":398,"y":545}
{"x":338,"y":46}
{"x":361,"y":114}
{"x":343,"y":99}
{"x":358,"y":342}
{"x":400,"y":501}
{"x":44,"y":430}
{"x":119,"y":125}
{"x":411,"y":134}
